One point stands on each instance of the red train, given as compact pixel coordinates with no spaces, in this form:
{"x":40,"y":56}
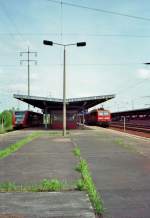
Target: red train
{"x":22,"y":119}
{"x":100,"y":117}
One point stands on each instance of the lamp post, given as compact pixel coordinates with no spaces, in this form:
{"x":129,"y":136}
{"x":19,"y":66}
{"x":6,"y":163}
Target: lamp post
{"x":78,"y":44}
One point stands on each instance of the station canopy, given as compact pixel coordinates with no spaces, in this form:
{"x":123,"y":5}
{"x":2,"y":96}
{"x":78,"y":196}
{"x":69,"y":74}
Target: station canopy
{"x":78,"y":104}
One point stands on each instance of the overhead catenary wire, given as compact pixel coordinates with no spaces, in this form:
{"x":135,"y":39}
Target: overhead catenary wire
{"x":77,"y":64}
{"x":11,"y":21}
{"x":75,"y":34}
{"x":132,"y":86}
{"x":102,"y":10}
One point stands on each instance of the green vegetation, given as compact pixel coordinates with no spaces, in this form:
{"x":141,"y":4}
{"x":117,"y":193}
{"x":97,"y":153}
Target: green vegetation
{"x":8,"y":186}
{"x":121,"y":142}
{"x":80,"y":185}
{"x":14,"y":147}
{"x":51,"y":185}
{"x":86,"y":183}
{"x":44,"y":186}
{"x":77,"y":152}
{"x":5,"y":121}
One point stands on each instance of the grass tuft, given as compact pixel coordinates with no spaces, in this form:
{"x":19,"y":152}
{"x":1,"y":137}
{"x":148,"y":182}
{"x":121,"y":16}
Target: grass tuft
{"x":80,"y":185}
{"x":123,"y":144}
{"x":45,"y":185}
{"x":8,"y":186}
{"x":86,"y":183}
{"x":51,"y":185}
{"x":77,"y":152}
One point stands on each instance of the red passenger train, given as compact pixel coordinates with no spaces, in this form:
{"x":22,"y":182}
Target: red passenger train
{"x":100,"y":117}
{"x":22,"y":119}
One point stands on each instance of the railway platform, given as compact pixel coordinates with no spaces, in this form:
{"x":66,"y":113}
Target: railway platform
{"x":12,"y":137}
{"x":120,"y":167}
{"x":119,"y":164}
{"x":46,"y":157}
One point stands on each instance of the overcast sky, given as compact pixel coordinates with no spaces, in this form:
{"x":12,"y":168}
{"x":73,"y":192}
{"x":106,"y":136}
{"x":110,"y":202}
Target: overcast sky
{"x":111,"y":63}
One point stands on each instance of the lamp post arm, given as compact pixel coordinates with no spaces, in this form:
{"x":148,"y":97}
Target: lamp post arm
{"x":64,"y":45}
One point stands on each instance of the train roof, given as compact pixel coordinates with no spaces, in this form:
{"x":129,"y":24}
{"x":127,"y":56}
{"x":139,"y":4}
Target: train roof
{"x":71,"y":103}
{"x":16,"y":111}
{"x":133,"y":111}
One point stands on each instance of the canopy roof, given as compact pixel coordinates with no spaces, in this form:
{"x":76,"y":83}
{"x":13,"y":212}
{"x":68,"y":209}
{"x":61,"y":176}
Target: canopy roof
{"x":56,"y":104}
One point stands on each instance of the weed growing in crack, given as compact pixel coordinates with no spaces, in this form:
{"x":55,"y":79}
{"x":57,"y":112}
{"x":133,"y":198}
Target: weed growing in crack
{"x":77,"y":152}
{"x":86,"y":183}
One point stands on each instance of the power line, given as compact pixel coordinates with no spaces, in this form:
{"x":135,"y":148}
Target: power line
{"x":102,"y":10}
{"x":76,"y":64}
{"x":131,"y":86}
{"x":11,"y":21}
{"x":76,"y":34}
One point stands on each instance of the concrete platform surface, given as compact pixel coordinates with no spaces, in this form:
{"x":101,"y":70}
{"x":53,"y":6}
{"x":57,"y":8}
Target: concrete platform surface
{"x":120,"y":167}
{"x":12,"y":137}
{"x":43,"y":158}
{"x":45,"y":205}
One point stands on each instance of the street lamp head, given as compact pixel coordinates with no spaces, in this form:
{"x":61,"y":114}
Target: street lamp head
{"x":81,"y":44}
{"x":46,"y":42}
{"x":147,"y":63}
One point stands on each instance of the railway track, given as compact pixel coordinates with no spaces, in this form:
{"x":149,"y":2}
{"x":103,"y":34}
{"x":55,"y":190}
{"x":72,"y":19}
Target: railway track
{"x":139,"y":130}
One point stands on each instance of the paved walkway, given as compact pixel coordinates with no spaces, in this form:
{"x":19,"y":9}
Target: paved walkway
{"x":12,"y":137}
{"x":120,"y":166}
{"x":45,"y":157}
{"x":45,"y":205}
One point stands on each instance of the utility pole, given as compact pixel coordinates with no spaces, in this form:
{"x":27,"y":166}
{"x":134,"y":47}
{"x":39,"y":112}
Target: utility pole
{"x":28,"y":60}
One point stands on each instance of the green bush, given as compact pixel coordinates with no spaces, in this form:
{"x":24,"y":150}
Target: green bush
{"x":6,"y":119}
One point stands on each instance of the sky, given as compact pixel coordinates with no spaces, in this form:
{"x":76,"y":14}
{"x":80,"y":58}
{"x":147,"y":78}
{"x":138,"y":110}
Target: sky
{"x":117,"y":36}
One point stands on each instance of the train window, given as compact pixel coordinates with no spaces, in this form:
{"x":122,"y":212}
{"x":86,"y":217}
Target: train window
{"x":103,"y":113}
{"x":19,"y":115}
{"x":134,"y":116}
{"x":106,"y":113}
{"x":141,"y":115}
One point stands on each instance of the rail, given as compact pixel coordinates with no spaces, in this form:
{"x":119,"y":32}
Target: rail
{"x":131,"y":127}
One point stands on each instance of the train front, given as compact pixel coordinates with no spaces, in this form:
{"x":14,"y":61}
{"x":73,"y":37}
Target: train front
{"x":19,"y":119}
{"x":104,"y":118}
